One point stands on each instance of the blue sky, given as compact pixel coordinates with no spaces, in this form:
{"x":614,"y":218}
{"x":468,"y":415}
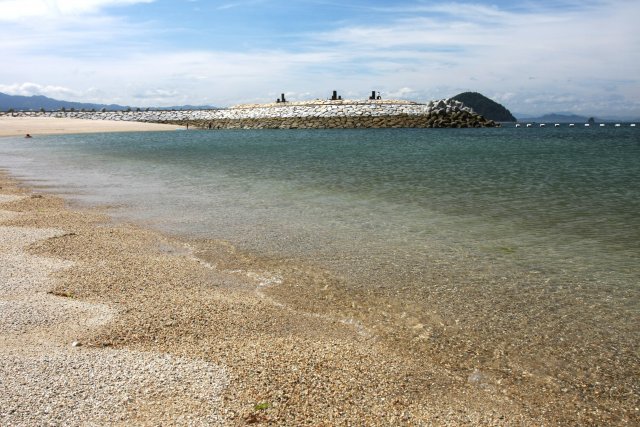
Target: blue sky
{"x":534,"y":57}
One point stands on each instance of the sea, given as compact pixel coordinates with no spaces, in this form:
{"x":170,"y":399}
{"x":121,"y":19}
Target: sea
{"x":501,"y":250}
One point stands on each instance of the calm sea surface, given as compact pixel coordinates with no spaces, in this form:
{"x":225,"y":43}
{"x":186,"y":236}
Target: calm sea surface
{"x":519,"y":238}
{"x":566,"y":199}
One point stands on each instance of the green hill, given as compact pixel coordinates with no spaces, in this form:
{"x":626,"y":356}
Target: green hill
{"x":486,"y":107}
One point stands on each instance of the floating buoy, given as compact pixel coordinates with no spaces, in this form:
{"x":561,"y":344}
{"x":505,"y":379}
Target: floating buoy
{"x":617,"y":125}
{"x":517,"y":125}
{"x":557,"y":125}
{"x":601,"y":125}
{"x":542,"y":125}
{"x":632,"y":125}
{"x":586,"y":125}
{"x":528,"y":125}
{"x":571,"y":125}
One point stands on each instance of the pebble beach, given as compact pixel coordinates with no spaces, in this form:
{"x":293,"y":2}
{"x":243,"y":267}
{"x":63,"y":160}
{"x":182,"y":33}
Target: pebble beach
{"x":105,"y":322}
{"x":109,"y":324}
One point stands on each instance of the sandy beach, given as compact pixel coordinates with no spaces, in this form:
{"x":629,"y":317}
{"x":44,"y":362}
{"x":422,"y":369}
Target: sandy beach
{"x":110,"y":323}
{"x":20,"y":126}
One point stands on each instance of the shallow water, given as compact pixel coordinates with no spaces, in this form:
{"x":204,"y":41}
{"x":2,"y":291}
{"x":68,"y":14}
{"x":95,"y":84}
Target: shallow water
{"x":552,"y":197}
{"x":495,"y":249}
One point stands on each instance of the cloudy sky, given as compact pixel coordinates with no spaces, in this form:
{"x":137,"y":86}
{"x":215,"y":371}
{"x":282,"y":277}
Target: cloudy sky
{"x":541,"y":56}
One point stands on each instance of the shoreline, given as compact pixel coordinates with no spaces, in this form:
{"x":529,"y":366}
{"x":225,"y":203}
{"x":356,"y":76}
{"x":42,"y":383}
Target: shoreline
{"x":283,"y":366}
{"x":19,"y":126}
{"x":286,"y":362}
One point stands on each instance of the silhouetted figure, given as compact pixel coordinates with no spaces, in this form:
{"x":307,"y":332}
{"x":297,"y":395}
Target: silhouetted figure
{"x":27,"y":136}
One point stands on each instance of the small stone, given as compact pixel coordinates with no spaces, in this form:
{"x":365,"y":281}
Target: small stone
{"x":76,"y":344}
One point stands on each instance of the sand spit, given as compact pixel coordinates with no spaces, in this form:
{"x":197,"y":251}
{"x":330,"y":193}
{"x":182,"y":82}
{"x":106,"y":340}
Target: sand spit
{"x":20,"y":126}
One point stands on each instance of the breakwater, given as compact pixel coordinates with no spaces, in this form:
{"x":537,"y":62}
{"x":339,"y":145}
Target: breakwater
{"x":321,"y":114}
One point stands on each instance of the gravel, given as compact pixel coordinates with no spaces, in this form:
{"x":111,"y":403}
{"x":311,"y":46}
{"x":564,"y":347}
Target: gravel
{"x":45,"y":380}
{"x":107,"y":387}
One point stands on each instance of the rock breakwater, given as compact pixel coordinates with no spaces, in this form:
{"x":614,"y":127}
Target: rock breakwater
{"x":319,"y":114}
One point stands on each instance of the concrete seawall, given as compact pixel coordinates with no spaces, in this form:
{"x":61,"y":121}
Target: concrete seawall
{"x":307,"y":114}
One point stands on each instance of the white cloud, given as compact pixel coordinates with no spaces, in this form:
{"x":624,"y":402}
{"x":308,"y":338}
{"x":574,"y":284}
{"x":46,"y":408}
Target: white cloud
{"x":403,"y":92}
{"x":156,"y":94}
{"x":579,"y":52}
{"x":578,"y":56}
{"x":63,"y":28}
{"x":30,"y":89}
{"x":238,"y":4}
{"x":17,"y":10}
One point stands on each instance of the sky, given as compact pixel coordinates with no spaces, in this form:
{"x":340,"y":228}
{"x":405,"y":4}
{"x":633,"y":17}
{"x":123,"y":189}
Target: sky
{"x":534,"y":57}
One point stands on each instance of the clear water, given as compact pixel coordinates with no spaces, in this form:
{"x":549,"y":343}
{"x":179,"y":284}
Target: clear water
{"x":551,"y":196}
{"x":518,"y":241}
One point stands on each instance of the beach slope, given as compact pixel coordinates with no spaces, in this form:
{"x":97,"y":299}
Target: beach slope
{"x":111,"y":324}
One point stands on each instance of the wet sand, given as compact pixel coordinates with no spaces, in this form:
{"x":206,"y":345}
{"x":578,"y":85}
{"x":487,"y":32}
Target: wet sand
{"x":20,"y":126}
{"x":292,"y":352}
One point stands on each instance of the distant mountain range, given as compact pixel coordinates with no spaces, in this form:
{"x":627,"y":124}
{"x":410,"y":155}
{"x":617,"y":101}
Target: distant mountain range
{"x":558,"y":118}
{"x":38,"y":102}
{"x":569,"y":118}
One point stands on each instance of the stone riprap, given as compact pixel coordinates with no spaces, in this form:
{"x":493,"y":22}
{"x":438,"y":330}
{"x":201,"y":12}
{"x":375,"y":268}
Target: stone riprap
{"x":305,"y":114}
